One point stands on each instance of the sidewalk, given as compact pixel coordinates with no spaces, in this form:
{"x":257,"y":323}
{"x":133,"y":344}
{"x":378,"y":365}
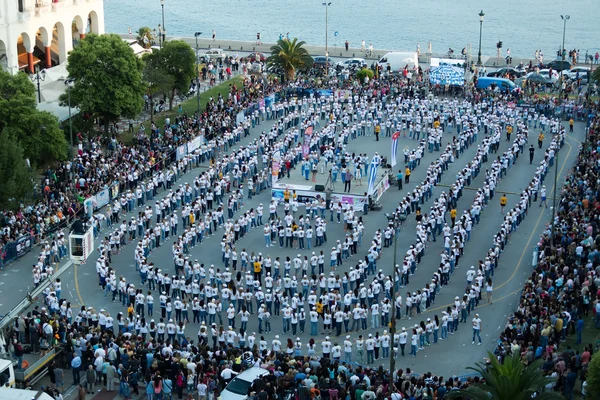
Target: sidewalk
{"x":232,"y":46}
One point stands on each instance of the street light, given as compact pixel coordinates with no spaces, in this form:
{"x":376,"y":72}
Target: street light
{"x":164,"y":31}
{"x":565,"y":18}
{"x":197,"y":76}
{"x":326,"y":4}
{"x":481,"y":15}
{"x":396,"y":222}
{"x":68,"y":83}
{"x":39,"y":77}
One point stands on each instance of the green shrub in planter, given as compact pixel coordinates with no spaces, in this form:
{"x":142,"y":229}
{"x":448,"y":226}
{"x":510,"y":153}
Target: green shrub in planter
{"x":363,"y":73}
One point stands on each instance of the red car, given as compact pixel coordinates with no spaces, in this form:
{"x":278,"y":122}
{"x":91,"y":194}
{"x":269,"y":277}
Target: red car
{"x":256,"y":56}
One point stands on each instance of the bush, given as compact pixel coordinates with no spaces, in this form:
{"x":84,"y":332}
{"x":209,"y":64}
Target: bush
{"x":363,"y":74}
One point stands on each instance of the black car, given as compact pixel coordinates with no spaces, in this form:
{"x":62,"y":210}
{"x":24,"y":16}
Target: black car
{"x":559,"y":65}
{"x":320,"y":61}
{"x":512,"y":73}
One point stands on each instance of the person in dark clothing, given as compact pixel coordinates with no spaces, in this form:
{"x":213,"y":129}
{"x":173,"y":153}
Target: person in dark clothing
{"x":531,"y":153}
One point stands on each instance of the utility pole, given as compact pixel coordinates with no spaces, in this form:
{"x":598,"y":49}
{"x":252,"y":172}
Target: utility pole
{"x":481,"y":15}
{"x":196,"y":35}
{"x":326,"y":4}
{"x":393,"y":313}
{"x":68,"y":83}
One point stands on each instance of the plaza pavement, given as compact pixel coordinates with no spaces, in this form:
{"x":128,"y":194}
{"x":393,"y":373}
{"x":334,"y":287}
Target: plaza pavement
{"x":80,"y":283}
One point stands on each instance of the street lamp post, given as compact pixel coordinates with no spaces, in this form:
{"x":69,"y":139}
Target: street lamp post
{"x":68,"y":83}
{"x":481,"y":15}
{"x":197,"y":76}
{"x":565,"y":18}
{"x":393,"y":311}
{"x":326,"y":4}
{"x":164,"y":30}
{"x":39,"y":77}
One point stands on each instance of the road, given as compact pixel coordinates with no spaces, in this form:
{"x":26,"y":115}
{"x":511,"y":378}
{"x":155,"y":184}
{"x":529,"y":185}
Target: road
{"x":80,"y":284}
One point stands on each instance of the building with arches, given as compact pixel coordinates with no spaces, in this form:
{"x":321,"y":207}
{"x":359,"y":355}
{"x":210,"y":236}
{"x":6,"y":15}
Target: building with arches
{"x":43,"y":32}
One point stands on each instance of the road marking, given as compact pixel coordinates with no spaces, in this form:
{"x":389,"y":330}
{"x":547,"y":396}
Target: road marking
{"x":77,"y":284}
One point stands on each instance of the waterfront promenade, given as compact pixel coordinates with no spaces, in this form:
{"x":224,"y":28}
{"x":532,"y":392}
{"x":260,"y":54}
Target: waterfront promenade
{"x":242,"y":47}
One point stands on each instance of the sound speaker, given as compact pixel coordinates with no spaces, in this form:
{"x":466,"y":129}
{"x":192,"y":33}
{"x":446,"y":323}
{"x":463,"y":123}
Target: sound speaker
{"x":320,"y":188}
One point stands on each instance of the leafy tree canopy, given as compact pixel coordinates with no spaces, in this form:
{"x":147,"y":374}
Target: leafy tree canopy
{"x":107,"y":78}
{"x":16,"y":184}
{"x":36,"y":132}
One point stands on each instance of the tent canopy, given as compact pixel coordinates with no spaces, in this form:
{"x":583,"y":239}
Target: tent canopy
{"x":447,"y":75}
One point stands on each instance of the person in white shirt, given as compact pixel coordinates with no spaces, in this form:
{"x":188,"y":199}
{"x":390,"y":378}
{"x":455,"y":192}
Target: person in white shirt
{"x":347,"y":349}
{"x":476,"y":329}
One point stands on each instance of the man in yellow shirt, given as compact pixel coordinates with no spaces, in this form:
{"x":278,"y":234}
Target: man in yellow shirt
{"x":377,"y":131}
{"x":453,"y":215}
{"x":540,"y":140}
{"x":407,"y":175}
{"x":571,"y":124}
{"x":503,"y":201}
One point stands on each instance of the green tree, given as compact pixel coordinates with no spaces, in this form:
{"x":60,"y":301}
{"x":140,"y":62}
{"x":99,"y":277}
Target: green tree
{"x":158,"y":82}
{"x":37,"y":132}
{"x":177,"y":61}
{"x":145,"y":37}
{"x":107,"y":78}
{"x":16,"y":184}
{"x":289,"y":56}
{"x":363,"y":73}
{"x":596,"y":75}
{"x":509,"y":381}
{"x":593,"y":377}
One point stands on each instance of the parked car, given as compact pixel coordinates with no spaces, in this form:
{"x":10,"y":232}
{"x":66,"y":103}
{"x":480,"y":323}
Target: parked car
{"x":358,"y":62}
{"x":213,"y":55}
{"x":558,"y":65}
{"x":320,"y":61}
{"x":257,"y":56}
{"x":238,"y":387}
{"x":501,"y":84}
{"x":578,"y":72}
{"x":546,"y":73}
{"x":513,"y":73}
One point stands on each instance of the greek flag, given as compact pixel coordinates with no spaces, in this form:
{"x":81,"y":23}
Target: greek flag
{"x":373,"y":174}
{"x":395,"y":137}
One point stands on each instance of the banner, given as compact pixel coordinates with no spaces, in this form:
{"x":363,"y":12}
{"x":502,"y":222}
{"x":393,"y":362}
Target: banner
{"x":181,"y":152}
{"x":303,"y":196}
{"x":269,"y":100}
{"x":195,"y":143}
{"x":240,"y":117}
{"x":395,"y":137}
{"x":23,"y":245}
{"x":102,"y":198}
{"x":373,"y":174}
{"x":114,"y":190}
{"x":308,"y":131}
{"x":381,"y":187}
{"x":357,"y":202}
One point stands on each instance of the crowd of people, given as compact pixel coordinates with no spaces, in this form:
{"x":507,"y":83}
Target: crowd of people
{"x":133,"y":349}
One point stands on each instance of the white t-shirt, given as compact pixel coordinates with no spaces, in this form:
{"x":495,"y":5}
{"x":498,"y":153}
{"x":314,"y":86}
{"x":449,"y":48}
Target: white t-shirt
{"x":476,"y":323}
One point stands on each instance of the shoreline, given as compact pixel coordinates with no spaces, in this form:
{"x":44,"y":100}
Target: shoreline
{"x":335,"y":51}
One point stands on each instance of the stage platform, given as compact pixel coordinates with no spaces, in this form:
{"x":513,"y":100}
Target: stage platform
{"x":306,"y":190}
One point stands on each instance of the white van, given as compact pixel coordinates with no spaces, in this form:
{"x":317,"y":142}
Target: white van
{"x":398,"y":60}
{"x":7,"y":373}
{"x":23,"y":394}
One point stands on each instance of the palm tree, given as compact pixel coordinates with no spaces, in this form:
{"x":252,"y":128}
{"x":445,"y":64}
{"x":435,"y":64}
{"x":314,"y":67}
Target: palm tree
{"x":289,"y":56}
{"x":509,"y":381}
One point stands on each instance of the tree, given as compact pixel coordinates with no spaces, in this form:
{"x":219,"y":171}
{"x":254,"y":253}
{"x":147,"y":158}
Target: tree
{"x":145,"y":37}
{"x":363,"y":73}
{"x":177,"y":62}
{"x":593,"y":377}
{"x":107,"y":78}
{"x":36,"y":132}
{"x":16,"y":184}
{"x":289,"y":56}
{"x":157,"y":81}
{"x":596,"y":75}
{"x":509,"y":381}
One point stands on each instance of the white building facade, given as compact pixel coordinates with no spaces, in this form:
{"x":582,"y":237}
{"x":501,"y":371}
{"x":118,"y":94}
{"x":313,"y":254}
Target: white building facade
{"x":41,"y":33}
